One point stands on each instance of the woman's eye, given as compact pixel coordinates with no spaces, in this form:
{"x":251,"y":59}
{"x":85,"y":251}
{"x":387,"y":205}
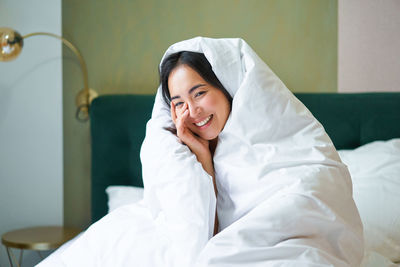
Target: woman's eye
{"x":178,"y":104}
{"x":199,"y":93}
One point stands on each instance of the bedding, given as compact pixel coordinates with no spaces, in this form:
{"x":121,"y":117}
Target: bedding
{"x":377,"y":163}
{"x":119,"y":196}
{"x":374,"y":259}
{"x":375,"y":170}
{"x":279,"y":178}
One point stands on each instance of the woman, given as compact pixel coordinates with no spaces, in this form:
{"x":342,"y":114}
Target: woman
{"x":284,"y":197}
{"x":200,"y":105}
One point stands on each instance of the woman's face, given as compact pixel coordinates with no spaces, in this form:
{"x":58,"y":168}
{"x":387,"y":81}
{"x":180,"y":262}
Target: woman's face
{"x":208,"y":107}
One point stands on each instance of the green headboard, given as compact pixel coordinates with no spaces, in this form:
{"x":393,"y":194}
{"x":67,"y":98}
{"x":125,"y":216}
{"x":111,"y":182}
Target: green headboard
{"x":118,"y":125}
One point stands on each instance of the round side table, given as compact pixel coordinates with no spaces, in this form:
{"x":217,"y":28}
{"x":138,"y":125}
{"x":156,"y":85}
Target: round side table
{"x":36,"y":238}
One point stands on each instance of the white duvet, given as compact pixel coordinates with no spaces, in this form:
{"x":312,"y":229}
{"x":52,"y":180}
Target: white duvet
{"x":284,"y":196}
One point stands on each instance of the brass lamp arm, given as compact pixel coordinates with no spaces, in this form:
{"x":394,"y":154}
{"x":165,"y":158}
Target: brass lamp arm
{"x":11,"y":43}
{"x":82,"y":112}
{"x":73,"y":49}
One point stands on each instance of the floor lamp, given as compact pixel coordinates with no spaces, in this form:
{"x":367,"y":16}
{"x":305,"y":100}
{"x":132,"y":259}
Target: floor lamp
{"x":11,"y":43}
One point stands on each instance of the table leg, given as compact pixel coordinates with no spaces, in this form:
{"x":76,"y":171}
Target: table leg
{"x":9,"y":258}
{"x":9,"y":252}
{"x":20,"y":257}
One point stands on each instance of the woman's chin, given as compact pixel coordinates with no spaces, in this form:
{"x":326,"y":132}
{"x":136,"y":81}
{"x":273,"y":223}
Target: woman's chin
{"x":209,"y":136}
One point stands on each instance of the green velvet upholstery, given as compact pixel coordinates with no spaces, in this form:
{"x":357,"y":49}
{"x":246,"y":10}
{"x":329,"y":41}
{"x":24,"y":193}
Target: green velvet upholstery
{"x":118,"y":125}
{"x":118,"y":128}
{"x":352,"y":120}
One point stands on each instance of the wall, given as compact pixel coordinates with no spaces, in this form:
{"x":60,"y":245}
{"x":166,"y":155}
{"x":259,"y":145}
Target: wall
{"x":123,"y":42}
{"x":31,"y":171}
{"x":369,"y":42}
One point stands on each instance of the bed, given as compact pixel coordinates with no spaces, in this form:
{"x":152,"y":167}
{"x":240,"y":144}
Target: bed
{"x":118,"y":125}
{"x":352,"y":121}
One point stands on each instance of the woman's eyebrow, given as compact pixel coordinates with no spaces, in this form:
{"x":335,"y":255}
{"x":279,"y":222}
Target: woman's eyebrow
{"x":190,"y":91}
{"x":195,"y":87}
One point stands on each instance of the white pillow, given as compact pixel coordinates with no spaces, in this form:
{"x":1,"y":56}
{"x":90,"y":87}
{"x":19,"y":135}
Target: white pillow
{"x":375,"y":171}
{"x":122,"y":195}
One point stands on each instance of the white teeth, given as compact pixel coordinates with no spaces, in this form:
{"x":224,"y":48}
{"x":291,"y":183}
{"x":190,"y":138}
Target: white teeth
{"x":203,"y":122}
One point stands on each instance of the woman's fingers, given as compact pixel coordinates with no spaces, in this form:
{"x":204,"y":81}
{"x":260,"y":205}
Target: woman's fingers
{"x":182,"y":110}
{"x":177,"y":113}
{"x":179,"y":116}
{"x":182,"y":130}
{"x":184,"y":115}
{"x":180,"y":121}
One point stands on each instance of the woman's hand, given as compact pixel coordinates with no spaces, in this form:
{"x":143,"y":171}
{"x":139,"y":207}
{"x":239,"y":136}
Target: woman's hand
{"x":197,"y":145}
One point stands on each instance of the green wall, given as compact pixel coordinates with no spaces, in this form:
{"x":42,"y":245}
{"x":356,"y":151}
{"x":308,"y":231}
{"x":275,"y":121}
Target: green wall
{"x":124,"y":40}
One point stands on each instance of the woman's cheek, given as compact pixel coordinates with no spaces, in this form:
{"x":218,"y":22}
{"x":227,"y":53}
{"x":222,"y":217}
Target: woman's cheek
{"x":209,"y":102}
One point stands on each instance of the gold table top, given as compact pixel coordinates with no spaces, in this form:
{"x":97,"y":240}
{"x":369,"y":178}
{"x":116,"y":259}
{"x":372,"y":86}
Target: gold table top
{"x":39,"y":238}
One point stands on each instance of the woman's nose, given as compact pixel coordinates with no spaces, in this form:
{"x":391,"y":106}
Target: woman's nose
{"x":193,"y":109}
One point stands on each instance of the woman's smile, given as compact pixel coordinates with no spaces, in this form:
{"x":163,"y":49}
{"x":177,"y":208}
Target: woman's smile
{"x":202,"y":124}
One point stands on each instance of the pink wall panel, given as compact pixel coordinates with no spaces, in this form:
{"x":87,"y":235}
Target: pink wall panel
{"x":369,"y":45}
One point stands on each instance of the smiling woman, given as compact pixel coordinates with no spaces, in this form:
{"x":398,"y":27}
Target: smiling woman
{"x":200,"y":105}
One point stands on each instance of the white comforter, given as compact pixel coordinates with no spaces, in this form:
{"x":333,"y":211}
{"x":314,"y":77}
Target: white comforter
{"x":284,"y":197}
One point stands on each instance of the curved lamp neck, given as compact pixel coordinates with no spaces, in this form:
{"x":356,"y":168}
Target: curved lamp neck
{"x":11,"y":43}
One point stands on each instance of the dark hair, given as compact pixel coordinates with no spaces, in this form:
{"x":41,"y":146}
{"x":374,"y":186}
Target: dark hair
{"x":198,"y":62}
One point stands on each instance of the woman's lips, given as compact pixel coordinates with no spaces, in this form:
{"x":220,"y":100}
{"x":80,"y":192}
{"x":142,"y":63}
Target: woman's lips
{"x":204,"y":123}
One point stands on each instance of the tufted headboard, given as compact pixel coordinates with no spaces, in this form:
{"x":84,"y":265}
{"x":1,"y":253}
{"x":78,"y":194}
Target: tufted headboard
{"x":118,"y":125}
